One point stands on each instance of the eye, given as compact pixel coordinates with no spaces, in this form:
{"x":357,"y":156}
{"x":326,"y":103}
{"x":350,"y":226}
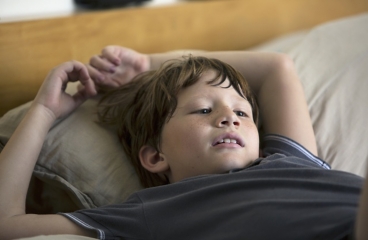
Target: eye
{"x":204,"y":111}
{"x":241,"y":113}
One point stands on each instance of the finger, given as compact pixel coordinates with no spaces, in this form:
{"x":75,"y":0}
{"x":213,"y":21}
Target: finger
{"x":68,"y":71}
{"x":102,"y":64}
{"x":84,"y":92}
{"x":139,"y":62}
{"x":77,"y":71}
{"x":96,"y":75}
{"x":111,"y":53}
{"x":128,"y":56}
{"x":80,"y":97}
{"x":89,"y":86}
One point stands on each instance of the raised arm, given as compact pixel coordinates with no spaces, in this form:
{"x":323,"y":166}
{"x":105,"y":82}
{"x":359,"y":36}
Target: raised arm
{"x":20,"y":154}
{"x":272,"y":77}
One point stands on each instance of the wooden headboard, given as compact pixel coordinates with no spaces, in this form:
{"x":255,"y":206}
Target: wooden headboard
{"x":28,"y":50}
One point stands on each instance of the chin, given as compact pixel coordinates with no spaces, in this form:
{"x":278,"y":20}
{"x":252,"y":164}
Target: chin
{"x":232,"y":164}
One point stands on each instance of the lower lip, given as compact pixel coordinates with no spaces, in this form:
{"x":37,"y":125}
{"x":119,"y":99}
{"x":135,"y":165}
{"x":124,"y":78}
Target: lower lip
{"x":227,"y":145}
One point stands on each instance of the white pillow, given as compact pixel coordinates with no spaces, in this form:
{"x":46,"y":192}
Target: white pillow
{"x":332,"y":63}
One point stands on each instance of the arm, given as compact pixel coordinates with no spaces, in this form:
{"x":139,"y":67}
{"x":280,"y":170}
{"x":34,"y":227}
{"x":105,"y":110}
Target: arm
{"x":20,"y":154}
{"x":272,"y":77}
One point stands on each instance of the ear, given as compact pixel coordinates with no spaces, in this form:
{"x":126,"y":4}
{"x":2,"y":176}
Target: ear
{"x":152,"y":160}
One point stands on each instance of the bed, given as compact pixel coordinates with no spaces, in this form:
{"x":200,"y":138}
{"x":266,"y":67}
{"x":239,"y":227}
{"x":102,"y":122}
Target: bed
{"x":82,"y":165}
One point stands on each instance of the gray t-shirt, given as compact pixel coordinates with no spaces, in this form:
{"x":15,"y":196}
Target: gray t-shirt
{"x":288,"y":194}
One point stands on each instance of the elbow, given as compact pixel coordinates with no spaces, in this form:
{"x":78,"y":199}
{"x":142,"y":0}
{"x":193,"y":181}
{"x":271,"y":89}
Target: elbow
{"x":284,"y":63}
{"x":282,"y":70}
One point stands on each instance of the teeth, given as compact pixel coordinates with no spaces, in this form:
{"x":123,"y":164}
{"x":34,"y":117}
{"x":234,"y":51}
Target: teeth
{"x":228,"y":140}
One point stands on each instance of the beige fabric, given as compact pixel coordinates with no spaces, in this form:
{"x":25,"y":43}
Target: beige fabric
{"x":332,"y":62}
{"x":283,"y":43}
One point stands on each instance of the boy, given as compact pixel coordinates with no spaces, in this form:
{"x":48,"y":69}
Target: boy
{"x":206,"y":147}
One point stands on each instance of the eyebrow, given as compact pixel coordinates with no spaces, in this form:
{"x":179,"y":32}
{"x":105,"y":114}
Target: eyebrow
{"x":200,"y":97}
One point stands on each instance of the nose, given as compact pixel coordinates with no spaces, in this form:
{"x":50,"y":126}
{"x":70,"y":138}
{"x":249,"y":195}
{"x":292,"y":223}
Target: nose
{"x":226,"y":117}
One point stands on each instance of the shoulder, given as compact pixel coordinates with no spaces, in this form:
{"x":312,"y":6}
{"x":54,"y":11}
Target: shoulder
{"x":278,"y":144}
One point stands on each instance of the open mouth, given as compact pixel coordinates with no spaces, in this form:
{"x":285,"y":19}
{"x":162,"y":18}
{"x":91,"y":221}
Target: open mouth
{"x":228,"y":139}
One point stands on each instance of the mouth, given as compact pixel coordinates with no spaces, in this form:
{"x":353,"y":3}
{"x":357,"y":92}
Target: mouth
{"x":229,"y":139}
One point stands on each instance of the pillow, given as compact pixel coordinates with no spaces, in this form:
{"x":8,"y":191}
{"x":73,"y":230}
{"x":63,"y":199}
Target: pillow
{"x":332,"y":63}
{"x":81,"y":164}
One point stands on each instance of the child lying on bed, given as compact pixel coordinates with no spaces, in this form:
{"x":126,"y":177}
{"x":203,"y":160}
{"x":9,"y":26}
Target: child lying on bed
{"x":190,"y":128}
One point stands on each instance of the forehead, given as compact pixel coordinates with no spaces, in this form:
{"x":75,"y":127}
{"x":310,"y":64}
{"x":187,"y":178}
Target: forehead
{"x":204,"y":89}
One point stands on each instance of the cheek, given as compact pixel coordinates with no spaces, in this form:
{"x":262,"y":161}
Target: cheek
{"x":182,"y":135}
{"x":252,"y":128}
{"x":191,"y":133}
{"x":253,"y":136}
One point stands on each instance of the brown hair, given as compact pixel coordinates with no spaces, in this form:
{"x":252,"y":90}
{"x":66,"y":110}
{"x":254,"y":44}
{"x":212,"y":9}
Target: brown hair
{"x":140,"y":108}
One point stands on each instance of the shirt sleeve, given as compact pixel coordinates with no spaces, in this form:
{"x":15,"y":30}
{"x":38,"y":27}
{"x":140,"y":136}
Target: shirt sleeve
{"x":119,"y":221}
{"x":277,"y":144}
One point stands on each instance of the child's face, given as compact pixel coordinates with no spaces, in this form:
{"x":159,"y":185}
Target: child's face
{"x":211,"y":131}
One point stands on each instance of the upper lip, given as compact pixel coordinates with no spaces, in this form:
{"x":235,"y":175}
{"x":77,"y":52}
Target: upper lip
{"x":234,"y":136}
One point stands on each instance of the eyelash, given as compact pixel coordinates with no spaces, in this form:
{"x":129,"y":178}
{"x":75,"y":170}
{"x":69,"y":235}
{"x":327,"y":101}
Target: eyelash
{"x":202,"y":111}
{"x":241,"y":113}
{"x":208,"y":110}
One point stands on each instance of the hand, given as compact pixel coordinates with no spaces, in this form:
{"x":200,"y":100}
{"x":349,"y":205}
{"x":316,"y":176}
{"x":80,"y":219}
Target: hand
{"x":52,"y":92}
{"x":117,"y":66}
